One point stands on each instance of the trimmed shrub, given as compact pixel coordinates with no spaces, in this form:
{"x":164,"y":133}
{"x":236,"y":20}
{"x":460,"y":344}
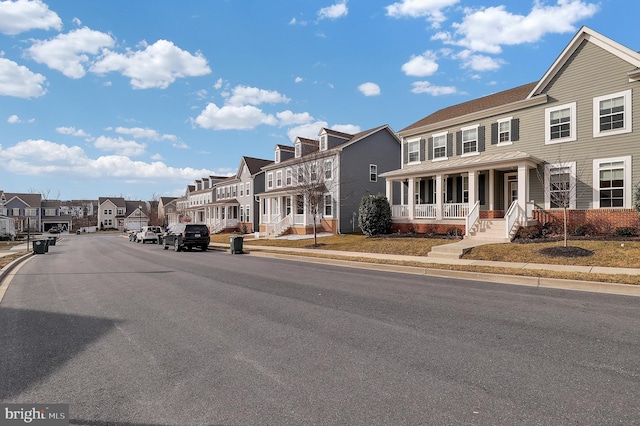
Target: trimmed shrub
{"x":454,"y":232}
{"x":374,"y":215}
{"x":625,"y":231}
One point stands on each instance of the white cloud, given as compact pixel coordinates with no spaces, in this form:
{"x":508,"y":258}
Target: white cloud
{"x":430,"y":9}
{"x":18,"y":81}
{"x":351,"y":129}
{"x":14,"y":119}
{"x":140,"y":133}
{"x":289,"y":118}
{"x":120,"y":146}
{"x":233,"y":117}
{"x":157,"y":66}
{"x":309,"y":130}
{"x":479,"y":62}
{"x":421,"y":65}
{"x":156,"y":157}
{"x":19,"y":16}
{"x":40,"y":157}
{"x":244,"y":95}
{"x":77,"y":21}
{"x":488,"y":29}
{"x":426,"y":87}
{"x":218,"y":84}
{"x":369,"y":89}
{"x":73,"y":132}
{"x":298,"y":79}
{"x":335,"y":11}
{"x":67,"y":53}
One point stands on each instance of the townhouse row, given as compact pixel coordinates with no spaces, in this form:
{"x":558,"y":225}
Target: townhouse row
{"x":519,"y":156}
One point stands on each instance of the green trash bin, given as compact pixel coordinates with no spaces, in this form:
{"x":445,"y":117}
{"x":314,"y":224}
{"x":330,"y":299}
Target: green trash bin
{"x":39,"y":247}
{"x":46,"y":245}
{"x":236,"y":244}
{"x":52,"y":241}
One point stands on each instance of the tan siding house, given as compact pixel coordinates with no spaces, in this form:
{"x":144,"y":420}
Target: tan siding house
{"x":508,"y":156}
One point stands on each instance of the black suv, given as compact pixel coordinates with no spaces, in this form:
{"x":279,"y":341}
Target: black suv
{"x":186,"y":235}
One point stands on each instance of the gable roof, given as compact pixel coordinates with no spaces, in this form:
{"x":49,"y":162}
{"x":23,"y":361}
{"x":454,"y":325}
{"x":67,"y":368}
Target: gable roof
{"x":490,"y":101}
{"x":255,"y":164}
{"x":29,"y":200}
{"x":117,"y":201}
{"x":586,"y":33}
{"x":335,"y":133}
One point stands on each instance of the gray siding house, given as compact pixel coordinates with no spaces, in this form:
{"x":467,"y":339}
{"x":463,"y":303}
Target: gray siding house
{"x":348,"y":167}
{"x":509,"y":155}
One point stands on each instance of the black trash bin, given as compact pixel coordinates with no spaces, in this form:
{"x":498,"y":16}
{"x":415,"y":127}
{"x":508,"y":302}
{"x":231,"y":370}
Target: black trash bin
{"x":52,"y":241}
{"x":160,"y":238}
{"x":46,"y":245}
{"x":39,"y":246}
{"x":236,"y":244}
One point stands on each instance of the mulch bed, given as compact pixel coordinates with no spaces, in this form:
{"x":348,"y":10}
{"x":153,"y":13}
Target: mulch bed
{"x":569,"y":251}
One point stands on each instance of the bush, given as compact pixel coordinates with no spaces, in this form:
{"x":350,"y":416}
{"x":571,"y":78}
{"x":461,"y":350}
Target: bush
{"x":584,"y":229}
{"x":374,"y":215}
{"x":454,"y":231}
{"x":529,"y":233}
{"x":625,"y":231}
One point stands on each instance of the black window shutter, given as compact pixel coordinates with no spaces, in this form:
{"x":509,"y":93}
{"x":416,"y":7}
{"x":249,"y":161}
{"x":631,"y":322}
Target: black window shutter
{"x":481,"y":136}
{"x":430,"y":149}
{"x":405,"y":153}
{"x":422,"y":149}
{"x":449,"y":152}
{"x":481,"y":189}
{"x":494,"y":133}
{"x":449,"y":190}
{"x":458,"y":189}
{"x":515,"y":129}
{"x":459,"y":143}
{"x":429,"y":196}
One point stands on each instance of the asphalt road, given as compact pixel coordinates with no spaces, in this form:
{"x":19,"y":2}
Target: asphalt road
{"x":131,"y":334}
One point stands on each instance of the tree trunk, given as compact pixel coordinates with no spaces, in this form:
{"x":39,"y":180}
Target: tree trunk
{"x":315,"y":235}
{"x":565,"y":225}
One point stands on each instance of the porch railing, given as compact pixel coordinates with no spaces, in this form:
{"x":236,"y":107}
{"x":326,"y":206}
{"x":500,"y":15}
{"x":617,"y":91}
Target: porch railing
{"x":399,"y":210}
{"x":275,"y":227}
{"x":514,"y":216}
{"x":472,"y":218}
{"x":429,"y":211}
{"x":422,"y":211}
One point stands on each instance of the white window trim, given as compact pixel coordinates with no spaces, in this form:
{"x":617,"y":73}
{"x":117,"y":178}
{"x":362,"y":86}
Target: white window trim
{"x":277,"y":156}
{"x":279,"y":179}
{"x":627,"y":181}
{"x":298,"y":150}
{"x":270,"y":180}
{"x":324,"y":205}
{"x":510,"y":141}
{"x":597,"y":133}
{"x":323,"y":142}
{"x":371,"y":168}
{"x":330,"y":170}
{"x":410,"y":141}
{"x":572,"y":184}
{"x":472,"y":153}
{"x":433,"y":154}
{"x":547,"y":123}
{"x":288,"y":177}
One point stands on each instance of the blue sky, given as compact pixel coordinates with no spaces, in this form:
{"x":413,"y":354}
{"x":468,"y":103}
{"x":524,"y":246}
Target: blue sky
{"x":140,"y":98}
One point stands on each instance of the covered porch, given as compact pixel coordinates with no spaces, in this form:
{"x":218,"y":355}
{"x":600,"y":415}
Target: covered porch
{"x":457,"y":193}
{"x":282,"y":212}
{"x":222,"y":215}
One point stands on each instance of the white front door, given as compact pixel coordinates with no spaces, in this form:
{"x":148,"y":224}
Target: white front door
{"x":510,"y":188}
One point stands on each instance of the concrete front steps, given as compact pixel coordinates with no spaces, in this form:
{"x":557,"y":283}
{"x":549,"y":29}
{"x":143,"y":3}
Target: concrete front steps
{"x":486,"y":231}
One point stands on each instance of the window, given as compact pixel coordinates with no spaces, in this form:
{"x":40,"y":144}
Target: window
{"x":270,"y":180}
{"x":328,"y":205}
{"x":373,"y":172}
{"x":413,"y":147}
{"x":469,"y":140}
{"x":242,"y":190}
{"x":314,"y":172}
{"x":328,"y":169}
{"x":300,"y":175}
{"x":288,"y":177}
{"x":440,"y":146}
{"x":247,"y":187}
{"x":298,"y":150}
{"x":279,"y":179}
{"x":227,"y":193}
{"x":560,"y":123}
{"x":108,"y":211}
{"x":560,"y":191}
{"x":15,"y":212}
{"x":299,"y":204}
{"x":612,"y":114}
{"x":465,"y":189}
{"x":612,"y":182}
{"x":49,"y":212}
{"x":323,"y":143}
{"x":247,"y":216}
{"x":277,"y":159}
{"x":241,"y":213}
{"x":234,"y":191}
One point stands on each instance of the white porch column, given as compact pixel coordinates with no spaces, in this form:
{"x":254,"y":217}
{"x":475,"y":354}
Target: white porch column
{"x":473,"y":188}
{"x":523,"y":186}
{"x":389,"y":191}
{"x":438,"y":200}
{"x":402,"y":200}
{"x":492,"y":192}
{"x":268,"y":200}
{"x":412,"y":197}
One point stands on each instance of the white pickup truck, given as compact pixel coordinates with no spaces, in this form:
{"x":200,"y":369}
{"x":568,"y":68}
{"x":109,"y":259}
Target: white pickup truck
{"x":148,"y":233}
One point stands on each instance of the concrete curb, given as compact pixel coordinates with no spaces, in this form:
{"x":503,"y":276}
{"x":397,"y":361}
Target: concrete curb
{"x":540,"y":282}
{"x":4,"y":272}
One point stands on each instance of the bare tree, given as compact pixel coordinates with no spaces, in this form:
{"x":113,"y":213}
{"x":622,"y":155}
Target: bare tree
{"x":313,"y":182}
{"x":561,"y":183}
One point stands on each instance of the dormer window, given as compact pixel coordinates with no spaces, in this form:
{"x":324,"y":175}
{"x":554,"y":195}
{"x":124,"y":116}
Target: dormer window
{"x":298,"y":149}
{"x":323,"y":143}
{"x":277,"y":159}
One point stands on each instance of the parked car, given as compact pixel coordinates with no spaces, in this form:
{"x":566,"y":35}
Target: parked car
{"x":54,"y":230}
{"x":187,"y":235}
{"x":148,"y":233}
